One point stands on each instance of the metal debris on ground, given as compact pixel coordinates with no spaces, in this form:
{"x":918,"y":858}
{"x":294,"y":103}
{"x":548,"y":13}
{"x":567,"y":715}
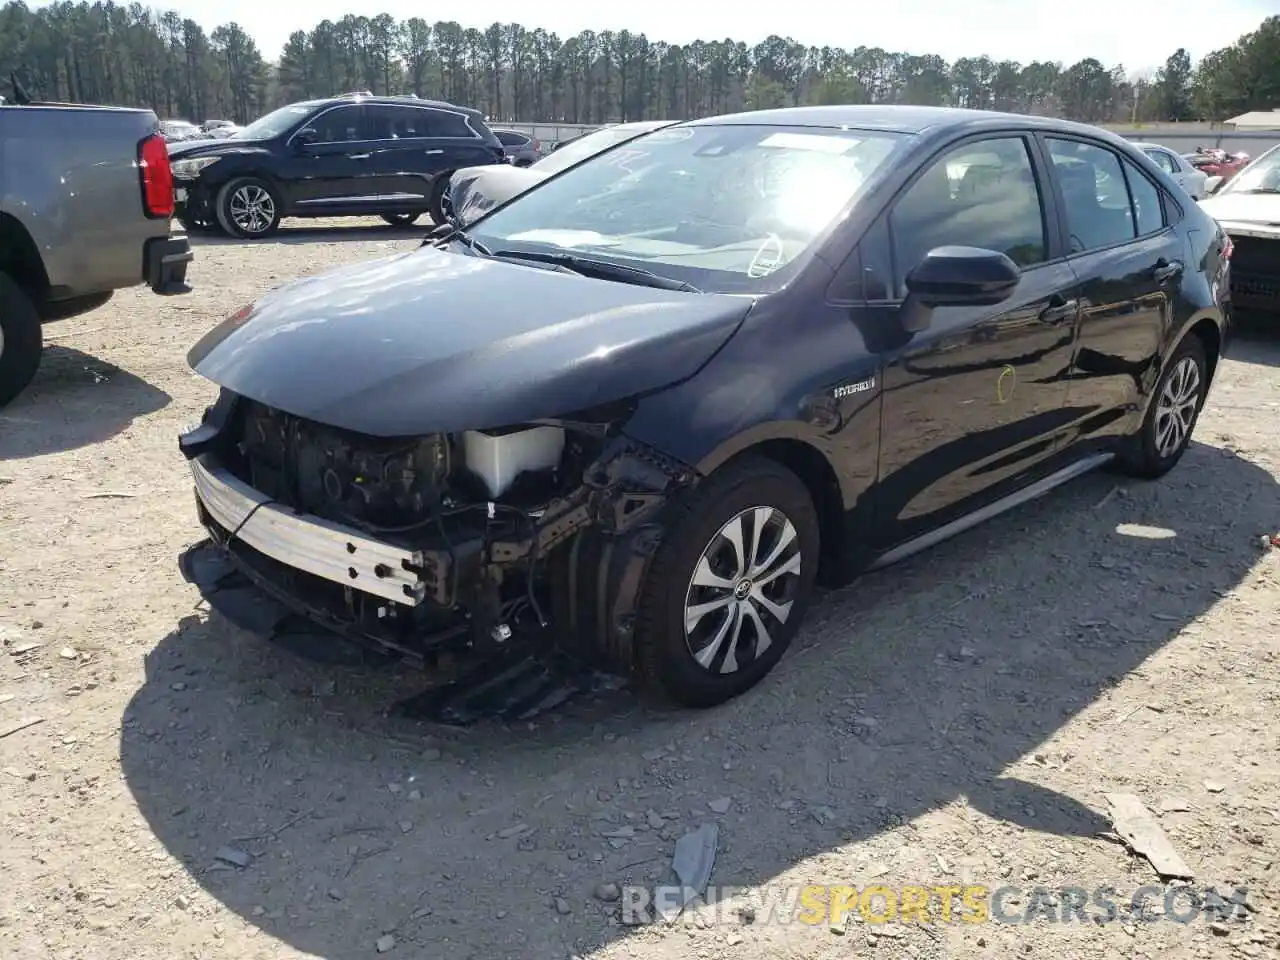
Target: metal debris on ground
{"x":691,"y":865}
{"x":1135,"y":825}
{"x":20,"y":725}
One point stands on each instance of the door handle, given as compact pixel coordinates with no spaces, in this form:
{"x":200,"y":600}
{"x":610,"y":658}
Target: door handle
{"x":360,"y":156}
{"x":432,"y":153}
{"x":1059,"y":310}
{"x":1165,"y":271}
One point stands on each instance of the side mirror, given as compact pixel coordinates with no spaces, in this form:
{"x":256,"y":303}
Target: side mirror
{"x":1212,"y":184}
{"x":305,"y":137}
{"x":957,"y":277}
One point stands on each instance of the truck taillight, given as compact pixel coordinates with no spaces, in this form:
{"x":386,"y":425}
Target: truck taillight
{"x":155,"y":177}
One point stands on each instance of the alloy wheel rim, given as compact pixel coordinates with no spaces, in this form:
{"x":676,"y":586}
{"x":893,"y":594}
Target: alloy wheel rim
{"x":742,"y":590}
{"x":252,"y":209}
{"x":1176,"y":407}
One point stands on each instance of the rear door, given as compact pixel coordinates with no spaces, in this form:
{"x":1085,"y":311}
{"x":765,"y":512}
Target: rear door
{"x":1129,"y":260}
{"x":333,"y":170}
{"x":415,"y":145}
{"x":972,"y":406}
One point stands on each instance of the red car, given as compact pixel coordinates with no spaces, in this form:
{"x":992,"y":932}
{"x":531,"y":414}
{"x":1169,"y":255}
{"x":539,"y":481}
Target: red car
{"x":1217,"y":162}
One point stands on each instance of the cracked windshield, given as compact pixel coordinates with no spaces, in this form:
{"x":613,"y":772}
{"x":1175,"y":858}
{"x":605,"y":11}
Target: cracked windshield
{"x":724,"y":208}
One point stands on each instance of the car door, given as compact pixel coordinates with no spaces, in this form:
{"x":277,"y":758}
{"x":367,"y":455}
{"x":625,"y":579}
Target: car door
{"x":405,"y":160}
{"x":329,"y":168}
{"x":425,"y":143}
{"x":972,"y":404}
{"x":1127,"y":259}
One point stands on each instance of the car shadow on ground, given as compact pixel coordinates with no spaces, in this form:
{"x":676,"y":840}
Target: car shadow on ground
{"x":75,"y":400}
{"x":917,"y":687}
{"x":1256,"y":339}
{"x":292,"y":232}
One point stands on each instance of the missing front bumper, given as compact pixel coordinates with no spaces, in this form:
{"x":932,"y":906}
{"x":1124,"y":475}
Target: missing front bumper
{"x":328,"y":550}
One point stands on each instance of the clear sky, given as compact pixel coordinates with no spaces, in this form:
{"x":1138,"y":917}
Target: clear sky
{"x":1139,"y":34}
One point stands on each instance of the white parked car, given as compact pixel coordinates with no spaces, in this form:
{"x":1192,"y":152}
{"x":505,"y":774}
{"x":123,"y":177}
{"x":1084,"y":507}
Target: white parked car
{"x":1194,"y":181}
{"x":1248,"y":208}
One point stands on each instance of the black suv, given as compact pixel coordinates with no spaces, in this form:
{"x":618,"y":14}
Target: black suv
{"x":350,"y":156}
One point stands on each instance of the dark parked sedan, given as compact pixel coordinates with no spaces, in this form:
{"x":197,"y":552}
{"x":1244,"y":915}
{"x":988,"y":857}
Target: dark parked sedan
{"x":639,"y":412}
{"x":353,"y":155}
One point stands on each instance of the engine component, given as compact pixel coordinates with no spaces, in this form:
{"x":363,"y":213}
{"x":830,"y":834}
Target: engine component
{"x":343,"y":476}
{"x":498,"y":458}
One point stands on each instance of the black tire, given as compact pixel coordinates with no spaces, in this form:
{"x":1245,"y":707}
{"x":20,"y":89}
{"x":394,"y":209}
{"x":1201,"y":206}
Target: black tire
{"x":400,"y":219}
{"x":435,"y":205}
{"x":22,"y":340}
{"x":665,"y":658}
{"x":1142,"y":455}
{"x":248,"y":190}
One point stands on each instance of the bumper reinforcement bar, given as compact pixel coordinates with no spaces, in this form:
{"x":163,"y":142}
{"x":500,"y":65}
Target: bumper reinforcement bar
{"x":320,"y":547}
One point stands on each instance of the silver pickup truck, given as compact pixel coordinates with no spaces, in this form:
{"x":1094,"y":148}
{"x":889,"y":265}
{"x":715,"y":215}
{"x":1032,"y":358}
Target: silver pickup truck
{"x":86,"y":199}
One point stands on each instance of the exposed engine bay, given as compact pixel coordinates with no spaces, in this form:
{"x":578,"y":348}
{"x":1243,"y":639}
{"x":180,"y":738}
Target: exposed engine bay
{"x":470,"y":526}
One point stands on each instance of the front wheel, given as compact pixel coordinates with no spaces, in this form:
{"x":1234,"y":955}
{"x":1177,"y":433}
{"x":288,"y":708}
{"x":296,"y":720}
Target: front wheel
{"x":248,"y":208}
{"x":729,"y":585}
{"x":1175,"y":407}
{"x":21,"y":340}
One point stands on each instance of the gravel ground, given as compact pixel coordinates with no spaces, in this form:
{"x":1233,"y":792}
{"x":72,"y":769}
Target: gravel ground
{"x":955,"y":720}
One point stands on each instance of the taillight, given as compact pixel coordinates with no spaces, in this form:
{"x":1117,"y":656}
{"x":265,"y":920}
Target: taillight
{"x":1227,"y":247}
{"x":537,"y":146}
{"x":155,"y":177}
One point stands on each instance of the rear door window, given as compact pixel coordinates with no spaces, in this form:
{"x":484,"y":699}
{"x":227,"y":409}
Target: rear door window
{"x":1145,"y":196}
{"x":1163,"y":160}
{"x":392,"y":122}
{"x":1098,"y":210}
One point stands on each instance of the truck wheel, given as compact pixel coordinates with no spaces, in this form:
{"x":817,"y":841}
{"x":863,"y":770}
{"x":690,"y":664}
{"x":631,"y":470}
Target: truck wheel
{"x":438,"y":203}
{"x":400,"y":219}
{"x":729,"y":585}
{"x":1175,"y":407}
{"x":248,"y":208}
{"x":21,"y":340}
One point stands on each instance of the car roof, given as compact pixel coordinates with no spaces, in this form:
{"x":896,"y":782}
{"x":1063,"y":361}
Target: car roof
{"x":399,"y":101}
{"x":900,"y":119}
{"x":1143,"y":145}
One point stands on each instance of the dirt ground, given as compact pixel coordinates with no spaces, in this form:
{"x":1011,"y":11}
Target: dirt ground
{"x":955,"y":720}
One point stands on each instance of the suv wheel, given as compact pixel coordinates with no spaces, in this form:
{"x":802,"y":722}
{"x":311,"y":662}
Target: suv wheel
{"x":248,"y":208}
{"x":729,"y":585}
{"x":400,"y":219}
{"x":21,"y":340}
{"x":438,"y":203}
{"x":1171,"y":418}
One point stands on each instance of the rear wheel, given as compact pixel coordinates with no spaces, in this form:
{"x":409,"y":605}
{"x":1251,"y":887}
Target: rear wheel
{"x":248,"y":208}
{"x":439,"y":202}
{"x":400,"y":219}
{"x":1175,"y":407}
{"x":21,"y":339}
{"x":729,"y":585}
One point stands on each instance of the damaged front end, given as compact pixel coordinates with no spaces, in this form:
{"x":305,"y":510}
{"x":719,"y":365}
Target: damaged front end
{"x":443,"y":550}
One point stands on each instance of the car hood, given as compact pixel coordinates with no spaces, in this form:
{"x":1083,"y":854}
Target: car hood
{"x":183,"y":149}
{"x":1256,"y":208}
{"x":431,"y":341}
{"x":474,"y":191}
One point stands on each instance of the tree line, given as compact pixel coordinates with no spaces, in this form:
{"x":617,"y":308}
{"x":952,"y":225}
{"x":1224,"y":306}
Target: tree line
{"x":131,"y":55}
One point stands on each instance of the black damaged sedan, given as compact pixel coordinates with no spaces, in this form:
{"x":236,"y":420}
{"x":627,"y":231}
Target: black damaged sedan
{"x":637,"y":413}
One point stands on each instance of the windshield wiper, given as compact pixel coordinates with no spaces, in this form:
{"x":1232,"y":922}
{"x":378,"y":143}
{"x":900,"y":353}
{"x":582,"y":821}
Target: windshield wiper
{"x":601,"y":269}
{"x":457,"y":233}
